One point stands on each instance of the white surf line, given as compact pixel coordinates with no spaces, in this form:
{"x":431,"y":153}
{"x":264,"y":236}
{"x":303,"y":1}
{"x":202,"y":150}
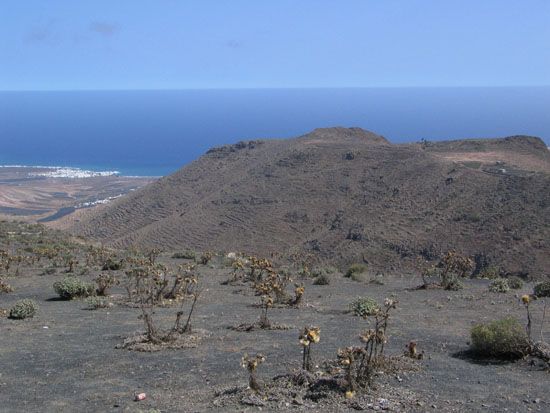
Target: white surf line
{"x":63,"y":171}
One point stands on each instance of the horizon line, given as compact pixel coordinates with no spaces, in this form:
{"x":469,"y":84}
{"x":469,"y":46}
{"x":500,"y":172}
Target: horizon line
{"x":273,"y":88}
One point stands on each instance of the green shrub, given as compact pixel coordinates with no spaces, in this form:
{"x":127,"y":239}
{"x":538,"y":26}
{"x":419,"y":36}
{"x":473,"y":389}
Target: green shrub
{"x":542,"y":289}
{"x":453,"y":285}
{"x":504,"y":338}
{"x":186,"y":255}
{"x":24,"y":309}
{"x":515,"y":283}
{"x":364,"y":306}
{"x":73,"y":287}
{"x":490,"y":272}
{"x":499,"y":285}
{"x":355,"y":270}
{"x":95,"y":303}
{"x":322,"y":279}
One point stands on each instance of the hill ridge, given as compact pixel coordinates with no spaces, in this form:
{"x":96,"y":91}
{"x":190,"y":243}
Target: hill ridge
{"x":347,"y":195}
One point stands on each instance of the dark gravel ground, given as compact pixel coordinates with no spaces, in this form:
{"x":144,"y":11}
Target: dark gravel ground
{"x":64,"y":359}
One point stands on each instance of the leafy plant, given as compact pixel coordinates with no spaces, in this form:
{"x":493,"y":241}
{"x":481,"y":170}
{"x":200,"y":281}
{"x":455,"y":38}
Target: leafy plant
{"x":187,"y":255}
{"x":542,"y":289}
{"x":322,"y":279}
{"x":355,"y":271}
{"x":490,"y":272}
{"x":515,"y":283}
{"x":22,"y":309}
{"x":499,"y":285}
{"x":95,"y":303}
{"x":505,"y":338}
{"x":364,"y":307}
{"x":73,"y":287}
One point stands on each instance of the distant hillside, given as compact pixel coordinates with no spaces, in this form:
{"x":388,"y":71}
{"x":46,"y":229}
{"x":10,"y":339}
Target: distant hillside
{"x":349,"y":195}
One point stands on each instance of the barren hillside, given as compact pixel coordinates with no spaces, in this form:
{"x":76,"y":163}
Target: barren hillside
{"x":348,"y":195}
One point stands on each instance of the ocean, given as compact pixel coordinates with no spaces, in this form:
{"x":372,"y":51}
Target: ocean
{"x":153,"y":133}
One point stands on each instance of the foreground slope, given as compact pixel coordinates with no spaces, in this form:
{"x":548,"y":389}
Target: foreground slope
{"x":349,"y":195}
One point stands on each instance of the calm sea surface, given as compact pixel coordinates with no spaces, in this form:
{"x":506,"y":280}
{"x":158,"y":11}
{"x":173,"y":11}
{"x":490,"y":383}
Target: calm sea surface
{"x":156,"y":132}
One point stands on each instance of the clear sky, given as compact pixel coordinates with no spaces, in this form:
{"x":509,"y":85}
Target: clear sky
{"x":150,"y":44}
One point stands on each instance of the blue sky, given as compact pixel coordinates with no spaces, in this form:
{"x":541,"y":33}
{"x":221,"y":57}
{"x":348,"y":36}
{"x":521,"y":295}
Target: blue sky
{"x":152,"y":44}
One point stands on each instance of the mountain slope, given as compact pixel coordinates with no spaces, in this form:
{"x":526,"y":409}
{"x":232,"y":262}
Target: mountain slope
{"x":348,"y":195}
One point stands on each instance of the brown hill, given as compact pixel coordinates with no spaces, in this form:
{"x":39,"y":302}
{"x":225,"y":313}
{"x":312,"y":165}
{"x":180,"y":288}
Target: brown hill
{"x":349,"y":195}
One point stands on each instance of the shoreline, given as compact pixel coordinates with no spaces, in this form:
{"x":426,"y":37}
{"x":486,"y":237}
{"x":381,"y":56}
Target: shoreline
{"x":72,"y":172}
{"x":47,"y":194}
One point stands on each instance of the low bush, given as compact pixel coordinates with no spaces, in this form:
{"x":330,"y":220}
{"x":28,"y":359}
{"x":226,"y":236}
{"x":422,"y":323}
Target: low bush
{"x":454,"y":285}
{"x":95,"y":303}
{"x":490,"y":272}
{"x":73,"y":287}
{"x":499,"y":285}
{"x":185,"y":255}
{"x":542,"y":289}
{"x":505,"y":338}
{"x":515,"y":283}
{"x":24,"y":309}
{"x":364,"y":306}
{"x":322,"y":279}
{"x":355,"y":270}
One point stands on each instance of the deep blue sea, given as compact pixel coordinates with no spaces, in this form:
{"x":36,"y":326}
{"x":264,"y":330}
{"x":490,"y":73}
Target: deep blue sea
{"x":154,"y":133}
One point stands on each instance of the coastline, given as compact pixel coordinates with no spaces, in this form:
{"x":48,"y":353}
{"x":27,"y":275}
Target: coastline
{"x":57,"y":171}
{"x":48,"y":194}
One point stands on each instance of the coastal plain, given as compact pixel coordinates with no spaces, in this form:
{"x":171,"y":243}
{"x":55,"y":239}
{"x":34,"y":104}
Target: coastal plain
{"x":41,"y":194}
